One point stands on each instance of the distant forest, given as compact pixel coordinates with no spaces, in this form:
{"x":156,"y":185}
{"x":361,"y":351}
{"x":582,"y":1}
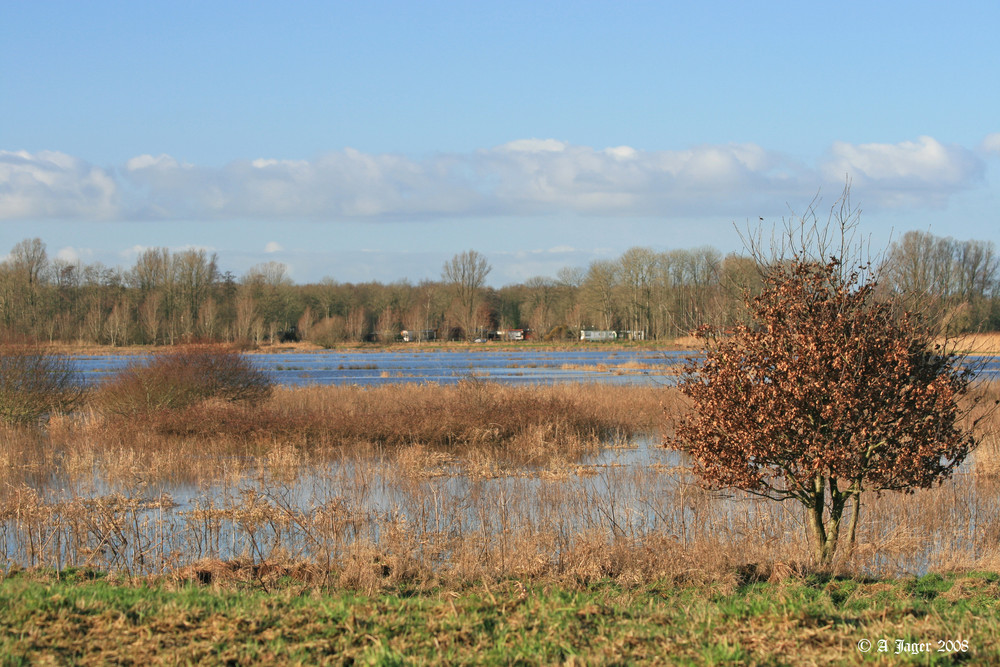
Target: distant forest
{"x":171,"y":297}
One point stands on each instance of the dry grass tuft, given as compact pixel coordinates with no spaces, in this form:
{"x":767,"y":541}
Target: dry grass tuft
{"x":180,"y":378}
{"x":977,"y":343}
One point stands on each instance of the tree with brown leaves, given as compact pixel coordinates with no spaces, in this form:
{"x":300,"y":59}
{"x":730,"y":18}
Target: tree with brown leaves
{"x":827,"y":392}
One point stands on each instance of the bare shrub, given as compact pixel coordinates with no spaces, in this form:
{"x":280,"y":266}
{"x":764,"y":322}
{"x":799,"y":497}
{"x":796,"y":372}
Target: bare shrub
{"x":35,"y":382}
{"x":179,"y":379}
{"x":328,"y":332}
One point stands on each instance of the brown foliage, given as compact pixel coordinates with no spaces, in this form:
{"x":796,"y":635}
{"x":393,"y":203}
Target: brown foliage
{"x":181,"y":378}
{"x":828,"y":392}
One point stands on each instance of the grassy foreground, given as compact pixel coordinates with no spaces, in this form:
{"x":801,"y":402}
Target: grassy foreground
{"x":82,"y":618}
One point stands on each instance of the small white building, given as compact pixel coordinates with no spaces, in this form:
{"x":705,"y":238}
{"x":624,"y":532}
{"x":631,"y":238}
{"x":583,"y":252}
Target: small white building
{"x":598,"y":335}
{"x":510,"y":334}
{"x":417,"y":336}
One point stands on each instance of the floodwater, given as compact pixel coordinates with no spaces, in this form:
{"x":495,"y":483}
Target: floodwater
{"x":611,"y":366}
{"x":614,"y":366}
{"x":117,"y":515}
{"x":435,"y":505}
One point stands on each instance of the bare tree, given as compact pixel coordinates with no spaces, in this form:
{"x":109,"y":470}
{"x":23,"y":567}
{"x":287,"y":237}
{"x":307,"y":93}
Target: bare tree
{"x":636,"y":274}
{"x":952,"y":283}
{"x":246,"y":315}
{"x":208,"y":316}
{"x":466,"y":274}
{"x":195,"y":271}
{"x":149,"y":317}
{"x":152,"y":270}
{"x":29,"y":260}
{"x":599,"y":293}
{"x":387,"y":325}
{"x":116,"y":325}
{"x":22,"y":288}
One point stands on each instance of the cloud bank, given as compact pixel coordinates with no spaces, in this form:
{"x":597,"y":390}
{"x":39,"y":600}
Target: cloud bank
{"x":55,"y":185}
{"x":523,"y":177}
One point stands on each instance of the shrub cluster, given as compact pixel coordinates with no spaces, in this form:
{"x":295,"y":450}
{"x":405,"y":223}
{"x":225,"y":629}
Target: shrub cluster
{"x":35,"y":382}
{"x":181,"y":378}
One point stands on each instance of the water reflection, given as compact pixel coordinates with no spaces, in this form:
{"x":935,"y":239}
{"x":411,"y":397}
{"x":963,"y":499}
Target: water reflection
{"x":507,"y":366}
{"x":612,"y":366}
{"x":438,"y":508}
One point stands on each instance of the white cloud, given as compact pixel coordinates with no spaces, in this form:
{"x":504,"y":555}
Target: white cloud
{"x":50,"y":184}
{"x":534,"y":146}
{"x":991,"y":144}
{"x":626,"y":181}
{"x":622,"y":152}
{"x":523,"y":177}
{"x":149,"y":162}
{"x":136,"y":250}
{"x":68,"y":254}
{"x":922,"y":172}
{"x":273,"y":246}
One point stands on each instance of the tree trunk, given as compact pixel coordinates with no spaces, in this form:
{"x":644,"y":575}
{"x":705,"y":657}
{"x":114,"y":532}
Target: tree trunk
{"x":818,"y":532}
{"x":825,"y":532}
{"x":852,"y":530}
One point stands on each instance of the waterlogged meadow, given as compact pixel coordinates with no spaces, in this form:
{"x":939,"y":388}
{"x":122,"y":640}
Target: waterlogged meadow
{"x":416,"y":363}
{"x":368,"y":488}
{"x":480,"y":492}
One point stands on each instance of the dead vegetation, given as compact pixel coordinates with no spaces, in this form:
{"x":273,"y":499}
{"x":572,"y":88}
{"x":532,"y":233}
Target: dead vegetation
{"x":35,"y":382}
{"x":428,"y":485}
{"x":180,"y":378}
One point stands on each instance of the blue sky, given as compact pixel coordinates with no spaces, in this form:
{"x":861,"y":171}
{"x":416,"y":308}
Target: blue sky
{"x":372,"y":141}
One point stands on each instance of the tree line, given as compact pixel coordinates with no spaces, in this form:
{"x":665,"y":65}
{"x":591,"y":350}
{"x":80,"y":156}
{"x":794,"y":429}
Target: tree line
{"x":168,"y":297}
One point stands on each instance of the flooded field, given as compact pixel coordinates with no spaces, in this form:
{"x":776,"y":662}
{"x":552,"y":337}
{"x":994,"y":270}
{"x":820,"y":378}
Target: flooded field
{"x":609,"y":366}
{"x":371,"y":517}
{"x":479,"y":474}
{"x":444,"y":367}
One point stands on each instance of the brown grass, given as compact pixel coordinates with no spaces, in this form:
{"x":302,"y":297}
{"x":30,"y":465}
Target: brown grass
{"x":627,"y":368}
{"x":978,"y":343}
{"x":181,"y":378}
{"x":431,"y":485}
{"x":522,"y":425}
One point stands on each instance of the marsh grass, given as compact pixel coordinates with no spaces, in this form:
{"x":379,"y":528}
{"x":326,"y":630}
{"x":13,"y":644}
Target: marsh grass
{"x":977,"y":343}
{"x":523,"y":423}
{"x":180,"y":378}
{"x":626,"y":368}
{"x":427,"y":486}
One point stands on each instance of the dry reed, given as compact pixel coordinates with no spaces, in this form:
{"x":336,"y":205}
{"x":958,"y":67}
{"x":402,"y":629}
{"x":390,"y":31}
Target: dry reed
{"x":429,"y":485}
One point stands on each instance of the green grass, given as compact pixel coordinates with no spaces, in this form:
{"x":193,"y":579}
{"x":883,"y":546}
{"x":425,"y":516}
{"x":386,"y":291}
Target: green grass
{"x":82,"y":618}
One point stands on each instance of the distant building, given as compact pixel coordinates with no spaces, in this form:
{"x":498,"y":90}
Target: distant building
{"x":510,"y":334}
{"x":417,"y":336}
{"x":598,"y":335}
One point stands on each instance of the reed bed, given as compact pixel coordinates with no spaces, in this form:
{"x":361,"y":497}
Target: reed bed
{"x":977,"y":343}
{"x":626,"y":368}
{"x":429,"y":485}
